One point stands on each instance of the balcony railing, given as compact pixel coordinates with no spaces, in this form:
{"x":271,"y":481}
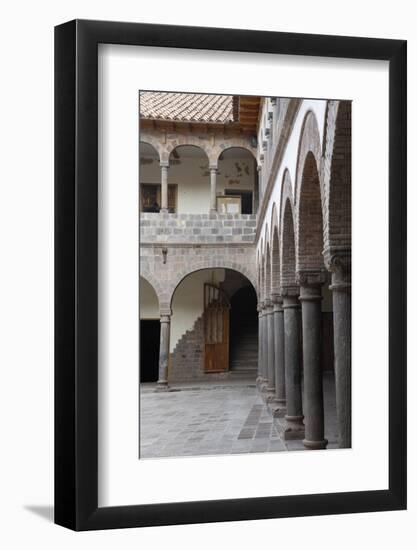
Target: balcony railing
{"x":197,"y":228}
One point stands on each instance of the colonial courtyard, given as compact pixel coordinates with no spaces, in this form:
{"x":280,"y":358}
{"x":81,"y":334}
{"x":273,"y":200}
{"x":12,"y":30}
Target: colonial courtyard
{"x":245,"y":274}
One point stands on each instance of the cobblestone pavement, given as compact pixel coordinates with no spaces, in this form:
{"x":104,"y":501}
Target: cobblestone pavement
{"x":214,"y":419}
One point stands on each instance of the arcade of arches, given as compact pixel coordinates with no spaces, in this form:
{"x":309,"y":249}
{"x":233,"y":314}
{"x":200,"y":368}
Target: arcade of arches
{"x":245,"y":252}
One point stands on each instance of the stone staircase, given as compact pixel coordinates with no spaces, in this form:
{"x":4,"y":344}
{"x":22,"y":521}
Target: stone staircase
{"x":244,"y":350}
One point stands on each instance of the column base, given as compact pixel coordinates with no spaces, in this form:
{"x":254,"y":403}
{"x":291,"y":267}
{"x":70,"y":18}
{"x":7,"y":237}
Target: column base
{"x":277,"y":411}
{"x":313,"y":445}
{"x":263,"y":386}
{"x":269,"y":394}
{"x":277,"y":408}
{"x":260,"y":380}
{"x":294,"y":428}
{"x":213,"y":210}
{"x":162,"y":385}
{"x":163,"y":210}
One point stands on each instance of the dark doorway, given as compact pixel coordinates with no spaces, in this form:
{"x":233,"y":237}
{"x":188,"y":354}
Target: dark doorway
{"x":246,"y":199}
{"x":149,"y":350}
{"x":244,"y":332}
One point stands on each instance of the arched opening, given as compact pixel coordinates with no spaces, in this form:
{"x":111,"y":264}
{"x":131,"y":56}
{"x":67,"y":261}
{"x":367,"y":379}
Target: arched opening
{"x":275,"y":287}
{"x":244,"y":331}
{"x":340,"y":216}
{"x":288,"y":248}
{"x":236,"y":186}
{"x":310,"y":219}
{"x":150,"y":178}
{"x":188,"y":180}
{"x":149,"y":332}
{"x":213,"y":327}
{"x":310,"y":250}
{"x":268,"y":272}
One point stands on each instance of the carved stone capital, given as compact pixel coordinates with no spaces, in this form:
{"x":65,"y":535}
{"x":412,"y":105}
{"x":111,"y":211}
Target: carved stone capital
{"x":165,"y":315}
{"x":290,"y":291}
{"x":276,"y":302}
{"x":338,"y":259}
{"x":311,"y":277}
{"x":290,"y":297}
{"x":164,"y":164}
{"x":339,"y":263}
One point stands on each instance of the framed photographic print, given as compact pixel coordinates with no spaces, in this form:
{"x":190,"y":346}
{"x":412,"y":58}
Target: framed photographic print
{"x":230,"y":275}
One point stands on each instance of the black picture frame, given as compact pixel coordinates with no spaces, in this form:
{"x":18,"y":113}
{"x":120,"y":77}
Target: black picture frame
{"x":76,"y":271}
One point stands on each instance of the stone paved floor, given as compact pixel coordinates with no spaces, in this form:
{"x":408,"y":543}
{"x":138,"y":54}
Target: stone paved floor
{"x":213,"y":419}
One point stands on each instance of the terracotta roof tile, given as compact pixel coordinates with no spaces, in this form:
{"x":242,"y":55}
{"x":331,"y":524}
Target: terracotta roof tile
{"x":187,"y":107}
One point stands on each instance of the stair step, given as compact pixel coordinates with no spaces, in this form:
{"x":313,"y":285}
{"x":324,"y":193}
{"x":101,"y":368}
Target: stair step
{"x":244,"y":365}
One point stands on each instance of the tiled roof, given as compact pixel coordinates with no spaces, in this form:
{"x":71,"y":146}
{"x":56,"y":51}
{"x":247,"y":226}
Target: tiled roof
{"x":187,"y":107}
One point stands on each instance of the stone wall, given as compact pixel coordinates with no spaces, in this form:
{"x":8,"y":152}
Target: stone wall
{"x":197,"y":228}
{"x":165,"y":265}
{"x":186,"y":362}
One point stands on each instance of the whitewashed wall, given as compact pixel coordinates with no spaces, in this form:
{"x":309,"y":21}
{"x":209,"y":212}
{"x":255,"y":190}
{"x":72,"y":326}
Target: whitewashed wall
{"x":188,"y":301}
{"x":193,"y":180}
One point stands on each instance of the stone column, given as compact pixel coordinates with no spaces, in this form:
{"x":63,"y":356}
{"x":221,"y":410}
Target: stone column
{"x":310,"y":298}
{"x":279,"y":354}
{"x":260,"y":380}
{"x":339,"y":264}
{"x":264,"y":344}
{"x":292,"y":352}
{"x":260,"y":184}
{"x":213,"y":188}
{"x":259,"y":179}
{"x":270,"y":351}
{"x":164,"y":186}
{"x":164,"y":350}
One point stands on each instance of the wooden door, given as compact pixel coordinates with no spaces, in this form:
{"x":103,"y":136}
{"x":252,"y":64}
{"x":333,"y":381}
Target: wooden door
{"x":216,"y":329}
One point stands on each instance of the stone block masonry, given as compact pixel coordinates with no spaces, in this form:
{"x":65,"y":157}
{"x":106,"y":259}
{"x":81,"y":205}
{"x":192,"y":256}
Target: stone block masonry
{"x":164,"y":266}
{"x":197,"y":228}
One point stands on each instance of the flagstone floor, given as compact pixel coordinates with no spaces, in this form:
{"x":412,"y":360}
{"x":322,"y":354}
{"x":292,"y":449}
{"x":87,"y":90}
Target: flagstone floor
{"x":215,"y":419}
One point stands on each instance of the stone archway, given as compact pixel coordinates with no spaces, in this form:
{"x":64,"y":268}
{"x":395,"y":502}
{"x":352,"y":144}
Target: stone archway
{"x":309,"y":219}
{"x":238,"y":330}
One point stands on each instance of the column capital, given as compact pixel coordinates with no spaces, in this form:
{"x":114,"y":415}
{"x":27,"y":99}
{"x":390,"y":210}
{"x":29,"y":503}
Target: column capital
{"x":276,"y":302}
{"x":338,"y":258}
{"x":311,"y":278}
{"x":164,"y":163}
{"x":213,"y":168}
{"x":339,"y":263}
{"x":310,"y":293}
{"x":165,"y":315}
{"x":259,"y":167}
{"x":290,"y":291}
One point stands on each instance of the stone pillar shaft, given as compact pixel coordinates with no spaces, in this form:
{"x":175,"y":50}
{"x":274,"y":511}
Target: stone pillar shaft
{"x":310,"y":297}
{"x":292,"y":350}
{"x":164,"y":188}
{"x":260,"y":184}
{"x":265,"y":344}
{"x":164,"y":350}
{"x":342,"y":354}
{"x":279,"y":352}
{"x":270,"y":350}
{"x":260,"y":371}
{"x":213,"y":189}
